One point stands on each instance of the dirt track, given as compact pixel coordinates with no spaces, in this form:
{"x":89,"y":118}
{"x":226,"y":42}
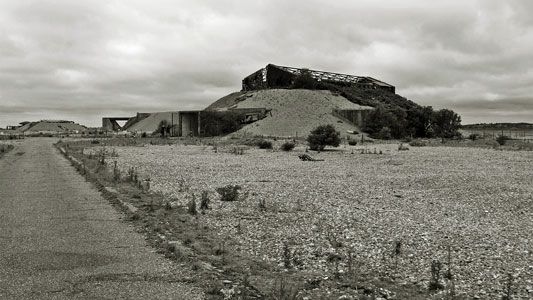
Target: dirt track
{"x":60,"y":239}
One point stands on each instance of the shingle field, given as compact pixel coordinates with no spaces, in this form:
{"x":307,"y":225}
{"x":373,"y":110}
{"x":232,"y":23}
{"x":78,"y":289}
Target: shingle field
{"x":475,"y":202}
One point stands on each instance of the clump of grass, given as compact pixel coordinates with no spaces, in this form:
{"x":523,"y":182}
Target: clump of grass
{"x":237,"y":150}
{"x":116,"y":172}
{"x":402,"y":147}
{"x":284,"y":290}
{"x":132,"y":175}
{"x":191,"y":206}
{"x":204,"y":201}
{"x":397,"y":252}
{"x":508,"y":291}
{"x":183,"y":185}
{"x":417,"y":143}
{"x":264,"y":144}
{"x":288,"y":146}
{"x":262,"y":204}
{"x":435,"y":281}
{"x":286,"y":256}
{"x":6,"y":148}
{"x":473,"y":136}
{"x":229,"y":192}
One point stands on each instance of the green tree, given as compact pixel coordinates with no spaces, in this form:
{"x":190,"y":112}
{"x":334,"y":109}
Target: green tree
{"x":322,"y":136}
{"x":447,"y":123}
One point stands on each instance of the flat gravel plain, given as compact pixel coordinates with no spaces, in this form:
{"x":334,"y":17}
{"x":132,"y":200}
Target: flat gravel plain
{"x":475,"y":202}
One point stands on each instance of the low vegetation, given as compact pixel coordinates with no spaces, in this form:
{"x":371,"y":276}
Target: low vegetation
{"x":322,"y":136}
{"x":5,"y":148}
{"x":288,"y":146}
{"x":393,"y":116}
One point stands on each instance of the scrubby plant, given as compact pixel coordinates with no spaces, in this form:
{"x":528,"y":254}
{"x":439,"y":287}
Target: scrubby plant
{"x":191,"y":206}
{"x":502,"y":139}
{"x":508,"y":291}
{"x":286,"y":256}
{"x":384,"y":133}
{"x":435,"y":281}
{"x":204,"y":201}
{"x":284,"y":291}
{"x":262,"y":204}
{"x":402,"y":147}
{"x":352,"y":142}
{"x":322,"y":136}
{"x":264,"y":144}
{"x":237,"y":150}
{"x":287,"y":146}
{"x":116,"y":172}
{"x":397,"y":252}
{"x":417,"y":143}
{"x":473,"y":136}
{"x":229,"y":192}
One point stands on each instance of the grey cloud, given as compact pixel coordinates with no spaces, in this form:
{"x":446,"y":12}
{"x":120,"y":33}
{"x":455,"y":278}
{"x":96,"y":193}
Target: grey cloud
{"x":86,"y":59}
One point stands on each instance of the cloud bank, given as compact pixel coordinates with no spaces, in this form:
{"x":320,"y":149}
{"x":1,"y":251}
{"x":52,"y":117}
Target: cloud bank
{"x":81,"y":60}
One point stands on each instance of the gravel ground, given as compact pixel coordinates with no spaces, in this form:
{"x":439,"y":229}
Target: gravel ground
{"x":475,"y":201}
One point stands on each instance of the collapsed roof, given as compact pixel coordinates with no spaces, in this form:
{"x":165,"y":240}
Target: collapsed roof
{"x":274,"y":76}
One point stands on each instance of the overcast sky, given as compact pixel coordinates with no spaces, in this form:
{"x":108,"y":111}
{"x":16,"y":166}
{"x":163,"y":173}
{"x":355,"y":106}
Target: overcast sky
{"x":84,"y":59}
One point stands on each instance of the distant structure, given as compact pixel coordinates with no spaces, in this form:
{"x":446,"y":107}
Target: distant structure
{"x":48,"y":127}
{"x":273,"y":76}
{"x":181,"y":123}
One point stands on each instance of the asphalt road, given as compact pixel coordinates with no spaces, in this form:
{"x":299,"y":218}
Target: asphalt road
{"x":59,"y":239}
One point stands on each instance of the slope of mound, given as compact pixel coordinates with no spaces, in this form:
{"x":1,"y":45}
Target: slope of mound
{"x":150,"y":123}
{"x":293,"y":112}
{"x":54,"y":127}
{"x":227,"y":101}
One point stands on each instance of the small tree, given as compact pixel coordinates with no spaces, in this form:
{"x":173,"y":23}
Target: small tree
{"x":322,"y":136}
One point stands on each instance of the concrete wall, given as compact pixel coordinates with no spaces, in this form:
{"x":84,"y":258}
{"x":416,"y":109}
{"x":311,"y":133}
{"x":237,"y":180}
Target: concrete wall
{"x":354,"y":116}
{"x":189,"y":123}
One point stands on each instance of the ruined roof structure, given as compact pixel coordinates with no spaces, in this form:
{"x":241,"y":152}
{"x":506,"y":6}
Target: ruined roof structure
{"x":273,"y":76}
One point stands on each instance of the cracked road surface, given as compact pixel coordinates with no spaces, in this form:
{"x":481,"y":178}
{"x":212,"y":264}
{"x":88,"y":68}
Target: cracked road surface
{"x":59,"y":239}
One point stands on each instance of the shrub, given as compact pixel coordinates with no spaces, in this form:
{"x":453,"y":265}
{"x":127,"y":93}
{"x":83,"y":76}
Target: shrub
{"x":417,"y":143}
{"x":191,"y":206}
{"x":473,"y":136}
{"x":322,"y":136}
{"x":401,"y":147}
{"x":352,"y":142}
{"x":143,"y":135}
{"x":287,"y":146}
{"x":384,"y":134}
{"x":434,"y":282}
{"x":204,"y":201}
{"x":264,"y":144}
{"x":229,"y":192}
{"x":502,"y":139}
